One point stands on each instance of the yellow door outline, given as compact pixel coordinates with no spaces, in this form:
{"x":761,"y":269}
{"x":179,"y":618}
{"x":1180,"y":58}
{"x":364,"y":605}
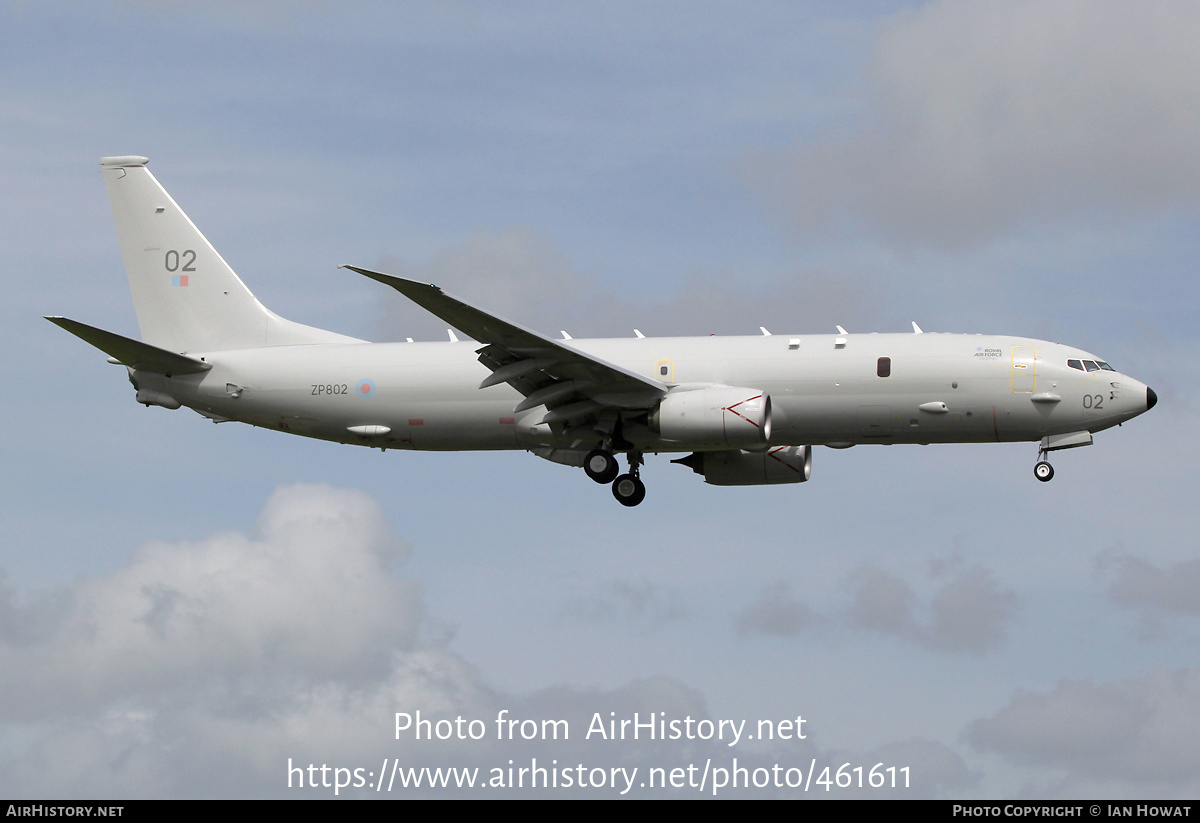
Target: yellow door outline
{"x":664,"y":377}
{"x":1024,"y":369}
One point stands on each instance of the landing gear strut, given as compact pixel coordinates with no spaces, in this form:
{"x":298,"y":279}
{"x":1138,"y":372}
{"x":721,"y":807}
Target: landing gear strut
{"x":1042,"y":470}
{"x":628,"y":488}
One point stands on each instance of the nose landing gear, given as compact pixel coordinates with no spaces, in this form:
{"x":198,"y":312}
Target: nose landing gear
{"x":1043,"y":470}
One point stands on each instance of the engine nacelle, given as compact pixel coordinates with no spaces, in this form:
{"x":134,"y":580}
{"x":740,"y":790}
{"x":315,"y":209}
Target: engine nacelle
{"x":714,"y":416}
{"x":781,"y":464}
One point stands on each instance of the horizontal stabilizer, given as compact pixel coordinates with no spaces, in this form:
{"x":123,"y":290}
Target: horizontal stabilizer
{"x":133,"y":353}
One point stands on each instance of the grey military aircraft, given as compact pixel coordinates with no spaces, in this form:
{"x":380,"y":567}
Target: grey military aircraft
{"x":743,"y":410}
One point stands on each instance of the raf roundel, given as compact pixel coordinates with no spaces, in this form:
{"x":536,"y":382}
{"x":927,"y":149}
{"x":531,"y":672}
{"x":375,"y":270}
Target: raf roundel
{"x":365,"y":388}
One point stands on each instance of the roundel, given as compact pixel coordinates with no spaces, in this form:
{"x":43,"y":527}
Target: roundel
{"x":365,"y":388}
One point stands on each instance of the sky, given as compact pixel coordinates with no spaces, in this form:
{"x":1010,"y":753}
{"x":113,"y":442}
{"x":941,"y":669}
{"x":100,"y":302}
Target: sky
{"x":190,"y":610}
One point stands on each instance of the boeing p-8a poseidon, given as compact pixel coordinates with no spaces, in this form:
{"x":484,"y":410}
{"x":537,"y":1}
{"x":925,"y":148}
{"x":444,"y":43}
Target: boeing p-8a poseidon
{"x":744,"y":410}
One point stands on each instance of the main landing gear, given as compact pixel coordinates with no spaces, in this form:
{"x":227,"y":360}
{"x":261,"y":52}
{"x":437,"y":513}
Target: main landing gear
{"x":601,"y":466}
{"x":629,"y":490}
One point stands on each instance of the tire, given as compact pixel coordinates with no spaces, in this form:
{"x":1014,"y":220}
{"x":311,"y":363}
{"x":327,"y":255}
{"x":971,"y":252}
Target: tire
{"x":601,"y":466}
{"x":1043,"y":471}
{"x":629,"y":490}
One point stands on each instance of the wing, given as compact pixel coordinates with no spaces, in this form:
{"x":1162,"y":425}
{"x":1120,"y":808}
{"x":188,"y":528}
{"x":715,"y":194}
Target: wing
{"x":572,"y":385}
{"x":133,"y":353}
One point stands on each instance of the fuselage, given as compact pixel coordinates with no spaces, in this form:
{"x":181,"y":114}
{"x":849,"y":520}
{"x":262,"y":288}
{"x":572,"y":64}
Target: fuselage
{"x":824,"y":389}
{"x":748,"y":409}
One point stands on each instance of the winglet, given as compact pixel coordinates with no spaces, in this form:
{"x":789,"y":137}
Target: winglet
{"x":916,"y":328}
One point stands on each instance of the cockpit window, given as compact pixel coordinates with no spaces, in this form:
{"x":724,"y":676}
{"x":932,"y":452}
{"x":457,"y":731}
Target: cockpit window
{"x":1089,"y":365}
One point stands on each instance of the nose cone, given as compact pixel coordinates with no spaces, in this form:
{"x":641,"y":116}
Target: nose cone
{"x":1151,"y":398}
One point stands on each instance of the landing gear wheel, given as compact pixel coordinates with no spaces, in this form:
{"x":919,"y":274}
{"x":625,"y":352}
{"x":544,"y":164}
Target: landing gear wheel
{"x":601,"y":466}
{"x":1043,"y":471}
{"x":629,"y":490}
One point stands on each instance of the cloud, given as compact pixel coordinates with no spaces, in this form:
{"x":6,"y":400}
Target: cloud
{"x":1127,"y":735}
{"x":971,"y":613}
{"x":524,"y":276}
{"x":985,"y":117}
{"x":882,"y":603}
{"x":968,"y":613}
{"x":776,"y":611}
{"x":187,"y":671}
{"x":1139,"y":584}
{"x":515,"y":273}
{"x":1155,"y":593}
{"x":943,"y":771}
{"x":274,"y":602}
{"x":225,"y":667}
{"x":645,"y":606}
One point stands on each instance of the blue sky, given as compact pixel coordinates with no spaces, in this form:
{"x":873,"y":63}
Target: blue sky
{"x":186,"y":606}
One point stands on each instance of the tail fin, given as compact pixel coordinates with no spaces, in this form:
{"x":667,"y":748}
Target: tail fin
{"x":186,"y":296}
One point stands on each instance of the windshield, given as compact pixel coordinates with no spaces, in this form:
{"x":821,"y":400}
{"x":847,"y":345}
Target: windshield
{"x":1089,"y":365}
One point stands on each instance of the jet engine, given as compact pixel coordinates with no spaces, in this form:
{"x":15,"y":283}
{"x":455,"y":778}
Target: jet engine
{"x":781,"y":464}
{"x":714,"y":416}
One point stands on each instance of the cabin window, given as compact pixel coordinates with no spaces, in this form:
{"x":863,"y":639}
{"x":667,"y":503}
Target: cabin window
{"x":884,"y":367}
{"x":662,"y":371}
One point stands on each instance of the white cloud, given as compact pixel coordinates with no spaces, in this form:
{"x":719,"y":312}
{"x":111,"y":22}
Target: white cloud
{"x":274,"y":602}
{"x":200,"y":668}
{"x":988,"y":116}
{"x":1130,"y":737}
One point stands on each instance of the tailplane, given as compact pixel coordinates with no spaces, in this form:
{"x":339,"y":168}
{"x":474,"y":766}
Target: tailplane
{"x":186,"y":296}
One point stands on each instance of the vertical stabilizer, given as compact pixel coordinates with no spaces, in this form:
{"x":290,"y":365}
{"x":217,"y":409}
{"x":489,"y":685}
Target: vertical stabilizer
{"x":186,"y":296}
